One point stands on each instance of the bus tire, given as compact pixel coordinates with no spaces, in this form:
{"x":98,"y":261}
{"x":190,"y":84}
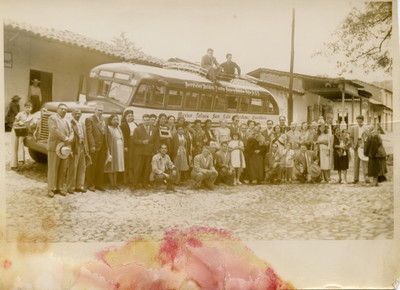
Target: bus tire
{"x":38,"y":156}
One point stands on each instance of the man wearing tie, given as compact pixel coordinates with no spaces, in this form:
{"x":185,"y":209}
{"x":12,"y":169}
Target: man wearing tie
{"x":96,"y":137}
{"x":59,"y":131}
{"x":223,"y":165}
{"x":356,"y":134}
{"x":146,"y":140}
{"x":204,"y":170}
{"x":77,"y":164}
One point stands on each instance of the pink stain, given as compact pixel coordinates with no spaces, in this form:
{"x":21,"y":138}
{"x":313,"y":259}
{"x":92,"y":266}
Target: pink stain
{"x":7,"y":264}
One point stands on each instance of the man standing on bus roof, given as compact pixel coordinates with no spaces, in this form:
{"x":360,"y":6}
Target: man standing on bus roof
{"x":60,"y":137}
{"x":96,"y":137}
{"x":229,"y":67}
{"x":210,"y":63}
{"x":146,"y":140}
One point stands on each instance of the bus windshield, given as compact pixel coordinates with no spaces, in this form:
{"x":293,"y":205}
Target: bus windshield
{"x":111,"y":90}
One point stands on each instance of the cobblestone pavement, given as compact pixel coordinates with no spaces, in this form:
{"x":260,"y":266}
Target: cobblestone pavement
{"x":262,"y":212}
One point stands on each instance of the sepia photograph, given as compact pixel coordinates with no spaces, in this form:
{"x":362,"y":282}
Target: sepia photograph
{"x":200,"y":144}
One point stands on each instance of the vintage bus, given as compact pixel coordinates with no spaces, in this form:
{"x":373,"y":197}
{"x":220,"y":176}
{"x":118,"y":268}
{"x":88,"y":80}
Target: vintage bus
{"x":176,"y":89}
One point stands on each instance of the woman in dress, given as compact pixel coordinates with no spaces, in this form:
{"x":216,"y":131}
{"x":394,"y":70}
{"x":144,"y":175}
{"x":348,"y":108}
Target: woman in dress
{"x":171,"y":125}
{"x":199,"y":138}
{"x":223,"y":133}
{"x":376,"y":153}
{"x":128,"y":126}
{"x":189,"y":133}
{"x":115,"y":142}
{"x":341,"y":146}
{"x":323,"y":146}
{"x":22,"y":120}
{"x":180,"y":153}
{"x":236,"y":148}
{"x":164,"y":131}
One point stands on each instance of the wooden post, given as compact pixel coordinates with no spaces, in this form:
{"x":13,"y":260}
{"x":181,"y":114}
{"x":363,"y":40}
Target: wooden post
{"x":290,"y":100}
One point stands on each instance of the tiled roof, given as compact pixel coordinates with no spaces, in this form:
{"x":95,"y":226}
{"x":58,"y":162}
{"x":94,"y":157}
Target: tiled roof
{"x":75,"y":39}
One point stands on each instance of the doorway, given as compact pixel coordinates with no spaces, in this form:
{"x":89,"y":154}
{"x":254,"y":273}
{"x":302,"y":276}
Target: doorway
{"x":46,"y":83}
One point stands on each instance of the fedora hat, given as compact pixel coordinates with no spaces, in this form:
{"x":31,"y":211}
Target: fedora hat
{"x":35,"y":81}
{"x":361,"y":155}
{"x":63,"y":151}
{"x":16,"y":98}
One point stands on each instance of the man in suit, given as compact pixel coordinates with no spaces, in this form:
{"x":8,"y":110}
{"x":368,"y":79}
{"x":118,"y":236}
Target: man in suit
{"x":96,"y":138}
{"x":204,"y":170}
{"x":223,"y":165}
{"x":235,"y":128}
{"x":356,"y":135}
{"x":146,"y":140}
{"x":301,"y":164}
{"x":273,"y":167}
{"x":77,"y":162}
{"x":59,"y":131}
{"x":282,"y":124}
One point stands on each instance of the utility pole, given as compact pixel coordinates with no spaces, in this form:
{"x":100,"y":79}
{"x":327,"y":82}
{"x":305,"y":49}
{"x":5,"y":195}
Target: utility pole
{"x":290,"y":100}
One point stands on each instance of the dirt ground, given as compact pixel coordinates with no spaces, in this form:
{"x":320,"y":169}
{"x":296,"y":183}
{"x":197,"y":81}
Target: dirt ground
{"x":261,"y":212}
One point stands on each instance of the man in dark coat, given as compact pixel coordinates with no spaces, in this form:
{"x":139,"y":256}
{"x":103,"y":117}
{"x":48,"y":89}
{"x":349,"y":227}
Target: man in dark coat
{"x":146,"y":140}
{"x":12,"y":112}
{"x":96,"y":137}
{"x":301,"y":164}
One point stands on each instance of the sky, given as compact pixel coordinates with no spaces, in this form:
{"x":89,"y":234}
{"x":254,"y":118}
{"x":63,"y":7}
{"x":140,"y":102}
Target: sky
{"x":257,"y":33}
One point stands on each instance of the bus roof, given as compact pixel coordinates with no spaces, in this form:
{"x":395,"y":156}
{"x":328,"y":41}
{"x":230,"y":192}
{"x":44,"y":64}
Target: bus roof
{"x":180,"y":75}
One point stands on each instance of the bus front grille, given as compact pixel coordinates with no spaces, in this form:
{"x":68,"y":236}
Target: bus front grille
{"x":44,"y":126}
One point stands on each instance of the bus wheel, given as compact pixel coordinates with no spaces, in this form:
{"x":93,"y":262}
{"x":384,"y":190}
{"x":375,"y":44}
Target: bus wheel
{"x":38,"y":156}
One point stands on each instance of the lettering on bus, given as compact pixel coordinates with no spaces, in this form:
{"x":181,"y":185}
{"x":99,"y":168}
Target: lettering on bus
{"x":220,"y":116}
{"x":222,"y":89}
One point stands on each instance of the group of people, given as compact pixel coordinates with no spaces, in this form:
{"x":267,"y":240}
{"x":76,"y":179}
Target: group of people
{"x":162,"y":149}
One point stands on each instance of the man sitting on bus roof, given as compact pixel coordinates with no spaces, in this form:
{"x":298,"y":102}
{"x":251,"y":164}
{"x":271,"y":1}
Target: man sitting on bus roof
{"x":229,"y":68}
{"x":210,"y":63}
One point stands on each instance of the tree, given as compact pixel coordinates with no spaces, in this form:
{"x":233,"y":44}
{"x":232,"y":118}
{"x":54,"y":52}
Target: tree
{"x":127,"y":47}
{"x":363,"y":39}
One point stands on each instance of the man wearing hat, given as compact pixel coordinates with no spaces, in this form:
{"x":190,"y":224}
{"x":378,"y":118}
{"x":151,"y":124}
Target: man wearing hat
{"x":12,"y":112}
{"x":60,"y":138}
{"x":35,"y":95}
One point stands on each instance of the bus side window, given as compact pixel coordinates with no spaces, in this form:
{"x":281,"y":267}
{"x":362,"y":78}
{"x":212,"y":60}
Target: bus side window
{"x":191,"y":99}
{"x":174,"y":99}
{"x":232,"y":104}
{"x":220,"y":103}
{"x":206,"y":102}
{"x":140,"y":95}
{"x":155,"y":97}
{"x":256,"y":106}
{"x":244,"y":105}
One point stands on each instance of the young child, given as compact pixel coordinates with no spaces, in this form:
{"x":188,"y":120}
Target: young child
{"x":236,"y":148}
{"x":289,"y":162}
